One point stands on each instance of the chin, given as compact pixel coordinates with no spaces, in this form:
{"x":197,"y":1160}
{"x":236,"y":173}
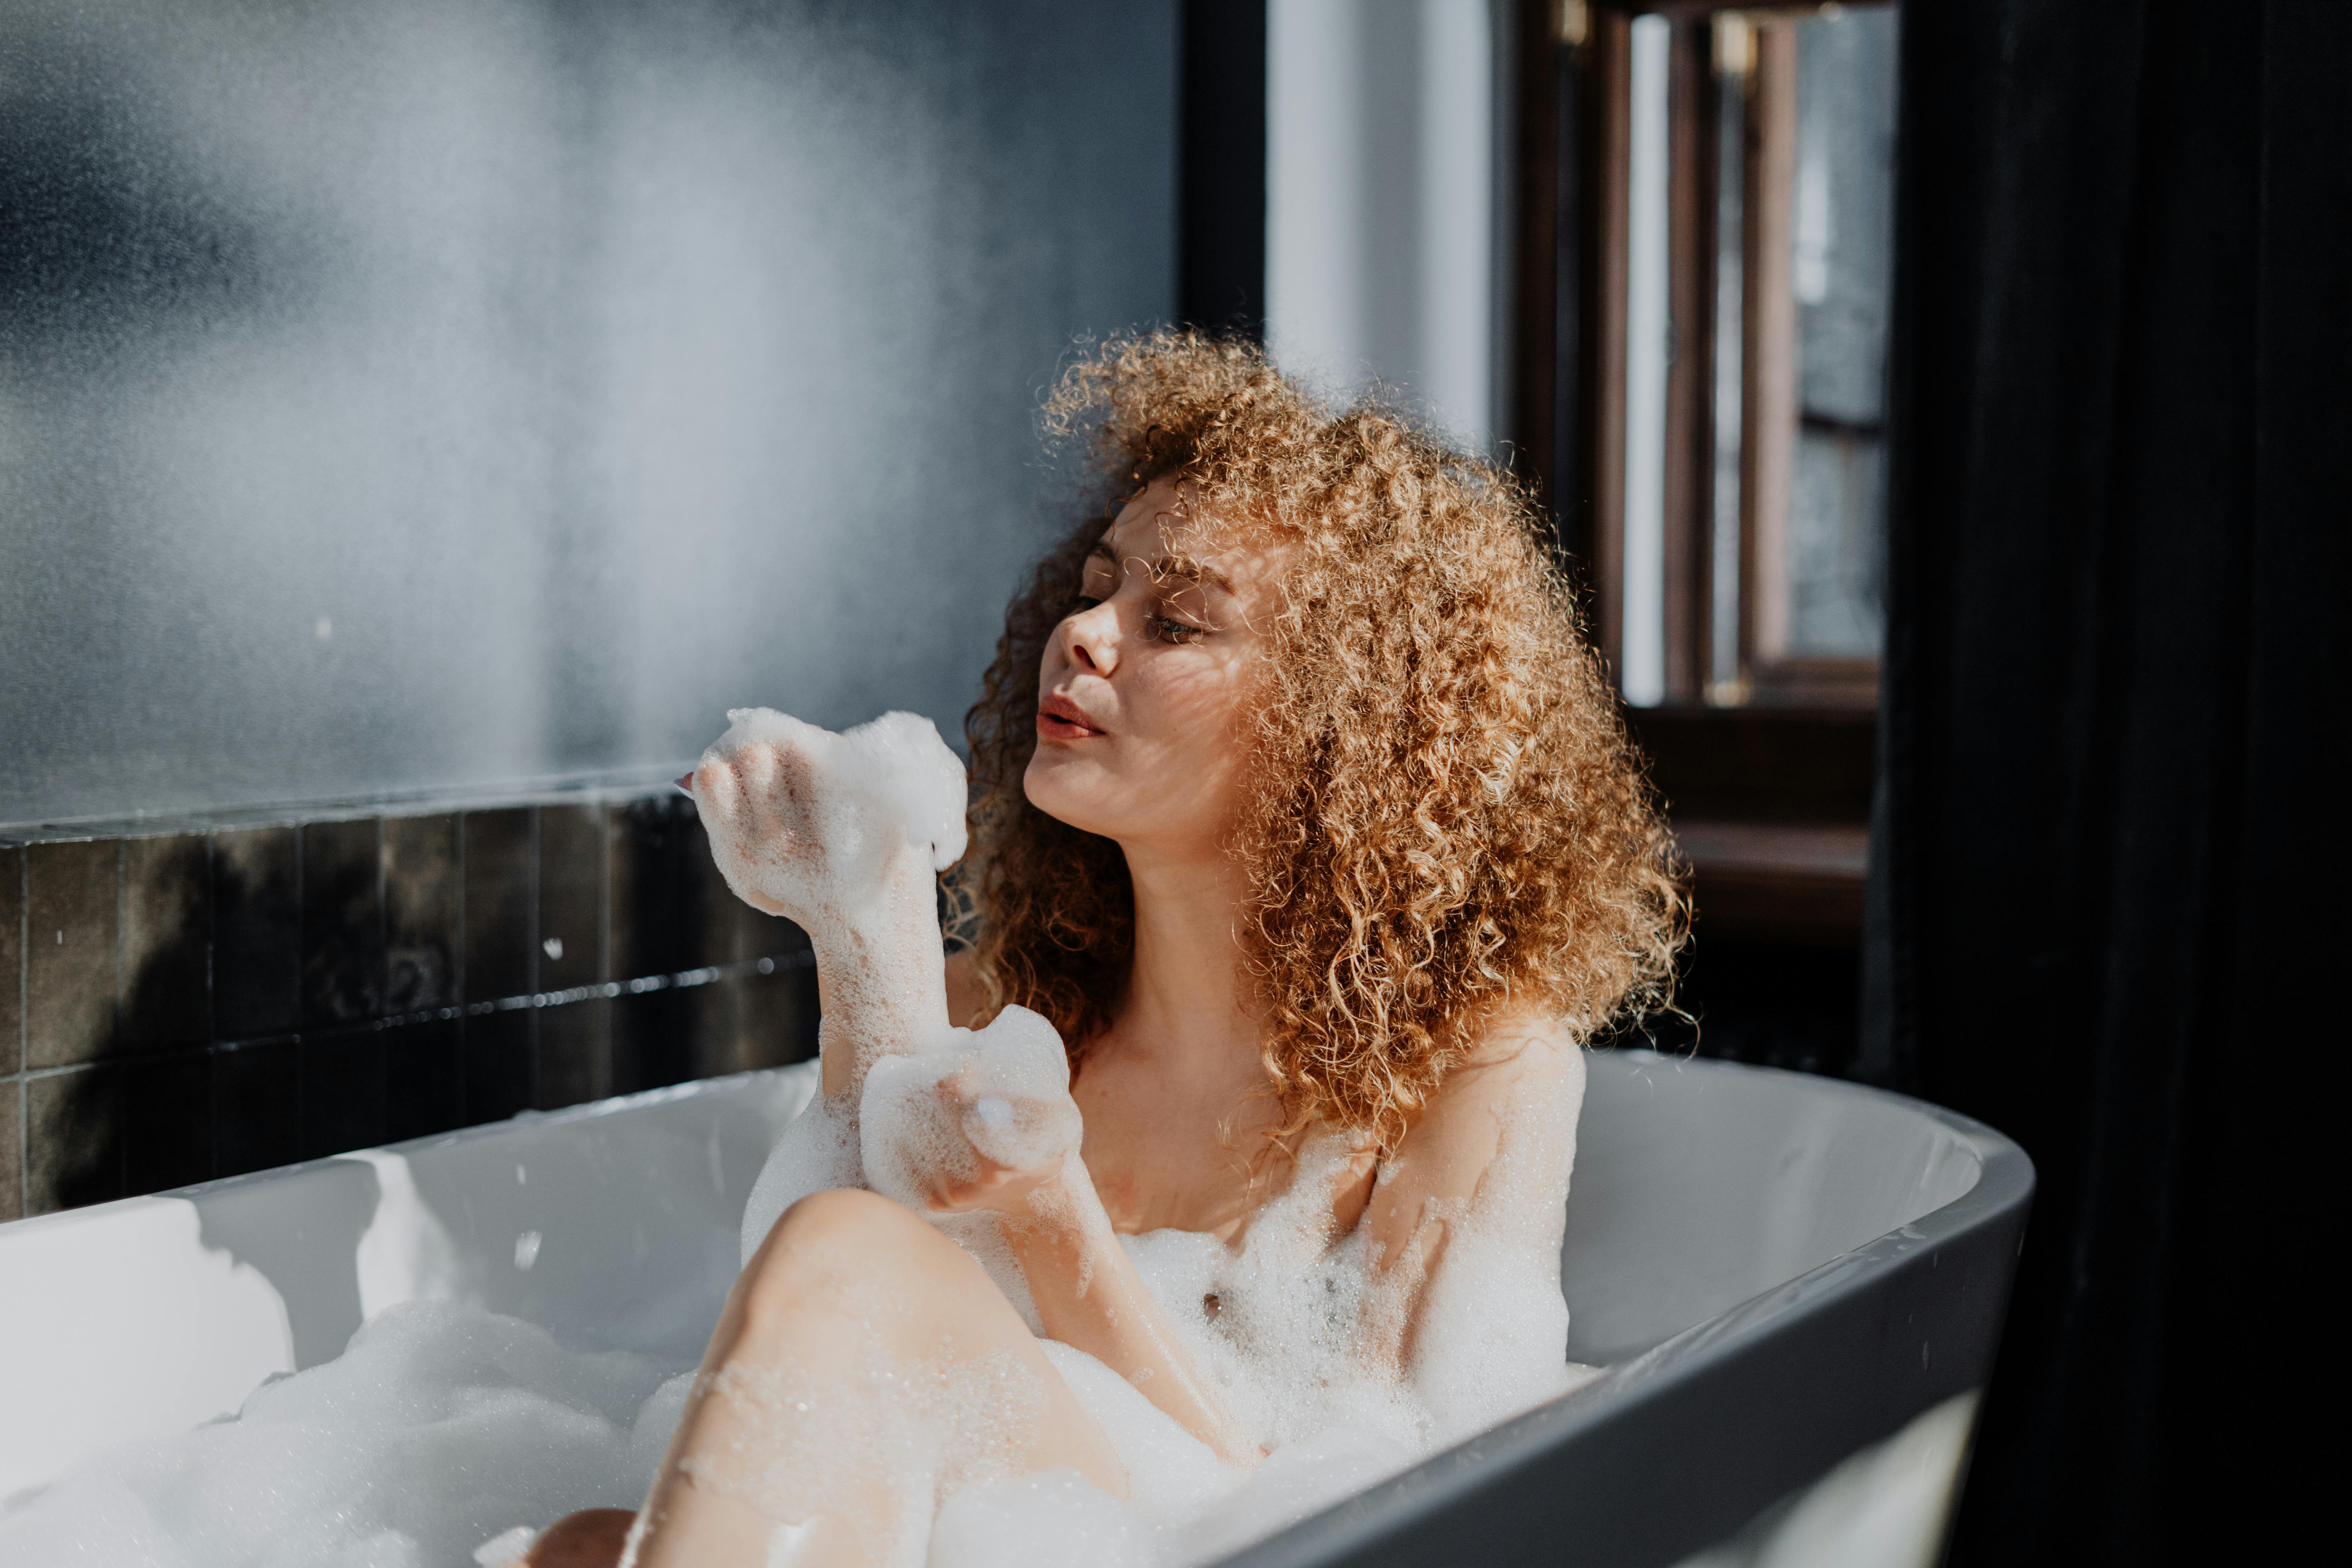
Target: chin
{"x":1063,"y":787}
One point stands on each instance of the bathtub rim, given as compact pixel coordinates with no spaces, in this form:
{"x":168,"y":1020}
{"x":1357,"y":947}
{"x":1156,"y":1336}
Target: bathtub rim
{"x":587,"y":1110}
{"x":1800,"y":1322}
{"x":1658,"y":1416}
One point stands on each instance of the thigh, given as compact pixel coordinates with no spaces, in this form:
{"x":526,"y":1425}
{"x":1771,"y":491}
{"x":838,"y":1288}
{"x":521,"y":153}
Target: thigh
{"x":858,"y":1345}
{"x":846,"y":1273}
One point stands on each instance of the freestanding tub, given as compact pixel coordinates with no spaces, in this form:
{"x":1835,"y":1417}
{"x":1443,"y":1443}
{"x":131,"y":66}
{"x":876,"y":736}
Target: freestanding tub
{"x":1797,"y":1285}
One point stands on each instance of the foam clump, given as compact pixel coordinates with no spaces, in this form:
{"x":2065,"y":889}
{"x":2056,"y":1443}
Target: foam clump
{"x":1001,"y":1093}
{"x":1055,"y":1518}
{"x":440,"y":1428}
{"x":896,"y":761}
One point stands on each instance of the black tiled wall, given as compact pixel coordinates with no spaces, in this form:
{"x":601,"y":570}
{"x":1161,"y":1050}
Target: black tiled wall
{"x":179,"y":1006}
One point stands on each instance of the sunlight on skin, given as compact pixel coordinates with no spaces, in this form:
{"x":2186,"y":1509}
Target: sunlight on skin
{"x":1161,"y":657}
{"x":1144,"y":738}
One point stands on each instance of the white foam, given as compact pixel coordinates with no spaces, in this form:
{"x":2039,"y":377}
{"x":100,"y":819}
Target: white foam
{"x":441,"y":1429}
{"x":506,"y":1548}
{"x":843,"y":834}
{"x":1010,"y":1103}
{"x":817,"y":1153}
{"x":1054,"y":1518}
{"x":446,"y":1432}
{"x":896,"y":761}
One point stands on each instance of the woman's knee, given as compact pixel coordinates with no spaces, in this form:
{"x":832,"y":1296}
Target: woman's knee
{"x":833,"y":1243}
{"x":842,"y":1211}
{"x":850,"y":1222}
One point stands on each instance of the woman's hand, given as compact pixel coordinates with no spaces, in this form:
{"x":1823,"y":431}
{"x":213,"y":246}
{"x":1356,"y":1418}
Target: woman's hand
{"x":1016,"y":1147}
{"x":803,"y":822}
{"x":843,"y":834}
{"x":984,"y":1121}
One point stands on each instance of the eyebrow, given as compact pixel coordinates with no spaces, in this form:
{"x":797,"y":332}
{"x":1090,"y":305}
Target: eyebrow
{"x":1184,"y":567}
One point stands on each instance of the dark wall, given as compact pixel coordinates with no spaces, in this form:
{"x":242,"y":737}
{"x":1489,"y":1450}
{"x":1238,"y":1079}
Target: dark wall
{"x":423,"y":399}
{"x":2111,"y":846}
{"x":1221,"y":262}
{"x":417,"y":394}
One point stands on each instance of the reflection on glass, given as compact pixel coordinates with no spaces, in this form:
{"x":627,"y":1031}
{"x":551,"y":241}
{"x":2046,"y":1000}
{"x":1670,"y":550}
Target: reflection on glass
{"x":1840,"y":270}
{"x":1734,"y":59}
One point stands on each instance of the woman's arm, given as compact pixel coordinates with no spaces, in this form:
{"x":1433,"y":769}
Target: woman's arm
{"x":1087,"y":1293}
{"x":1090,"y":1298}
{"x":1480,"y":1186}
{"x":791,"y":840}
{"x":794,"y":837}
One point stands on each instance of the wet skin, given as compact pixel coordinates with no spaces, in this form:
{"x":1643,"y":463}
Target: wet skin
{"x":1144,"y":738}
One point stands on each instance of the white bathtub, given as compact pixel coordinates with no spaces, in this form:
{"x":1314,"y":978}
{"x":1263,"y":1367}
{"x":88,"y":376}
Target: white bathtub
{"x":1783,"y":1272}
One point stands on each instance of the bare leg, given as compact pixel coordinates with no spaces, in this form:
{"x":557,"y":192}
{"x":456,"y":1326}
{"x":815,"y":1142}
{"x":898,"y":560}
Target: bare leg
{"x":862,"y":1361}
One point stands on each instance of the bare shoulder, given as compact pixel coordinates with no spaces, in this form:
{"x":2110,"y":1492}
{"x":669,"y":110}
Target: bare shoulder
{"x":1512,"y":1105}
{"x":966,"y":995}
{"x":1524,"y":1062}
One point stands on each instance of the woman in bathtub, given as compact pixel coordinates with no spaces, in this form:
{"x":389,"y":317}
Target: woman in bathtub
{"x":1303,"y":813}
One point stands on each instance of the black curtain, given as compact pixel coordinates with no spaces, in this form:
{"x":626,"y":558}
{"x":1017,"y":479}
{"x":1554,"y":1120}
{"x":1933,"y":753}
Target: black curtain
{"x":2110,"y":853}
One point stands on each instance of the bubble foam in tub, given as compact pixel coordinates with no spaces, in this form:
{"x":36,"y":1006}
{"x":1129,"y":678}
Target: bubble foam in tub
{"x":446,"y":1428}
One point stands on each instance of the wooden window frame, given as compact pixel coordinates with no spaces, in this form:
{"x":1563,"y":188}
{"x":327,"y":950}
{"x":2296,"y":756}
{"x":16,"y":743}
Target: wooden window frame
{"x":1769,"y":781}
{"x":1573,"y":147}
{"x":1767,"y":393}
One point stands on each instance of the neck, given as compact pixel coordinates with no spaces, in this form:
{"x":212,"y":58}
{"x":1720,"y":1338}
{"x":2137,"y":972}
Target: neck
{"x":1186,"y":1001}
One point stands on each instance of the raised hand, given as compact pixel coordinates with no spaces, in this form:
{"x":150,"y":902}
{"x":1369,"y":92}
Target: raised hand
{"x":818,"y":827}
{"x":984,"y":1121}
{"x":843,"y":835}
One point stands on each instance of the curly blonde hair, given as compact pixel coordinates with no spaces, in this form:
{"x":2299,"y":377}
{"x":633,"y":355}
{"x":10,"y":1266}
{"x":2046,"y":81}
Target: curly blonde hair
{"x":1445,"y":819}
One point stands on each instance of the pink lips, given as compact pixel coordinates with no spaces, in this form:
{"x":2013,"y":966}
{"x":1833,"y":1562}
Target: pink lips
{"x":1059,"y":718}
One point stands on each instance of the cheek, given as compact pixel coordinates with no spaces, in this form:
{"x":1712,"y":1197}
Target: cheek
{"x":1200,"y":711}
{"x":1198,"y":750}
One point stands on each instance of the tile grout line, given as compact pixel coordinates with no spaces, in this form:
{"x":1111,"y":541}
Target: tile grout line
{"x":535,"y":1001}
{"x":121,"y":1004}
{"x":530,"y":954}
{"x":23,"y":1027}
{"x":457,"y":963}
{"x":649,"y":779}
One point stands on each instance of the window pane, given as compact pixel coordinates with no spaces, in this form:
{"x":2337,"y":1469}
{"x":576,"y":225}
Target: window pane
{"x":1842,"y":230}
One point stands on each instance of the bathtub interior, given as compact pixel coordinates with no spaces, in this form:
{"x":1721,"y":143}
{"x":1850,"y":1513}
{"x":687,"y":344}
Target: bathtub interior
{"x":1698,"y":1186}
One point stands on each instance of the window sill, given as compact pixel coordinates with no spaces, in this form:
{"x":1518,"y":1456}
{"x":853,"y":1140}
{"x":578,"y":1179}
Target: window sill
{"x":1776,"y":882}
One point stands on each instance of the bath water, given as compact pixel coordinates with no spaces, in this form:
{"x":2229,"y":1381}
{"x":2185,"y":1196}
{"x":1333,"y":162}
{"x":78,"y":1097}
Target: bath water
{"x":446,"y":1434}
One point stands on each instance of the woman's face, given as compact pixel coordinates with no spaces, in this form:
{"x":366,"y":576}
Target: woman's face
{"x":1143,"y":722}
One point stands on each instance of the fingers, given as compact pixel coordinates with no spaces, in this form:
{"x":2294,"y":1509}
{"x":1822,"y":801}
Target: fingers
{"x":714,"y":787}
{"x":753,"y":791}
{"x":758,"y":770}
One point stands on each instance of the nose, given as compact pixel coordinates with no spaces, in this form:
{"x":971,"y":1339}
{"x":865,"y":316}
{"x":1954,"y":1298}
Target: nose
{"x":1090,"y":638}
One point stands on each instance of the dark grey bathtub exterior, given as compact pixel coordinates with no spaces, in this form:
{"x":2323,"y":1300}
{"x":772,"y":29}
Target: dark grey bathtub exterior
{"x":1778,"y":1270}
